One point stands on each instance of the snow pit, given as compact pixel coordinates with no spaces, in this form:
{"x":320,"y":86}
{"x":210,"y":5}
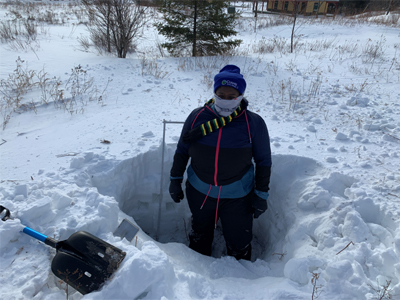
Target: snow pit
{"x":297,"y":183}
{"x":135,"y":184}
{"x":318,"y":221}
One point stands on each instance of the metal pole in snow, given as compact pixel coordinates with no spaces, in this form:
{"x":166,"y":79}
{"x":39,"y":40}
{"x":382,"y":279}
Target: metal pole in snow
{"x":162,"y":176}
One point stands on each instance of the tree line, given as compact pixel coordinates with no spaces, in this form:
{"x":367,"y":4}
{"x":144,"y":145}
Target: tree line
{"x":192,"y":27}
{"x":353,"y":7}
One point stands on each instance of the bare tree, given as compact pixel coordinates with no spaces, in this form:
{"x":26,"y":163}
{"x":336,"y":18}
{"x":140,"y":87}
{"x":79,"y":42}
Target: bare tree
{"x":295,"y":13}
{"x":255,"y":8}
{"x":115,"y":24}
{"x":319,"y":5}
{"x":390,"y":6}
{"x":99,"y":13}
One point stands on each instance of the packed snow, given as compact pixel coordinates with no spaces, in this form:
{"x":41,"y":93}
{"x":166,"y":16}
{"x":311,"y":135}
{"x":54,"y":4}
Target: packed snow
{"x":333,"y":113}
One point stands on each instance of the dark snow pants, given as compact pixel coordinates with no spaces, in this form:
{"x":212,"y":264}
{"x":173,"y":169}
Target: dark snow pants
{"x":236,"y":218}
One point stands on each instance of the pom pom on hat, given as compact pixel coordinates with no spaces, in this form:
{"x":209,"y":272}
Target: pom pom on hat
{"x":230,"y":76}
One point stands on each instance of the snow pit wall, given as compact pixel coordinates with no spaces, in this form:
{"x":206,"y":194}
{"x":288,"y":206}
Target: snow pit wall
{"x":136,"y":185}
{"x":318,"y":220}
{"x":296,"y":182}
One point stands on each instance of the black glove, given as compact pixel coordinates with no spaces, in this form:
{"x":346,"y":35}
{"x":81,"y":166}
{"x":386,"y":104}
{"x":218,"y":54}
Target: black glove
{"x":175,"y":190}
{"x":259,"y":205}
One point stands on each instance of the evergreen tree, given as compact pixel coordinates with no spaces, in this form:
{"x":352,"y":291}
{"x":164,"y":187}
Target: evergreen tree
{"x":197,"y":27}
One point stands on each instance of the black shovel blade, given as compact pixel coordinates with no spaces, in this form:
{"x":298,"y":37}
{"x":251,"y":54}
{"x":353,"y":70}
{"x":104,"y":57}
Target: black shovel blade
{"x":85,"y":262}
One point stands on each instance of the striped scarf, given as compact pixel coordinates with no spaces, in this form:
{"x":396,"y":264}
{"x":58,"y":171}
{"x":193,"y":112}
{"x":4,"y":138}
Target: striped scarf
{"x":217,"y":123}
{"x":210,"y":126}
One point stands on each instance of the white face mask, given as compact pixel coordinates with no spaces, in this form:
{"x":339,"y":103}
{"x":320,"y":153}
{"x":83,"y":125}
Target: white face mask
{"x":225,"y":107}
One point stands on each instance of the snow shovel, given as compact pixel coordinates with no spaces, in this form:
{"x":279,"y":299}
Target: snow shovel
{"x":83,"y":261}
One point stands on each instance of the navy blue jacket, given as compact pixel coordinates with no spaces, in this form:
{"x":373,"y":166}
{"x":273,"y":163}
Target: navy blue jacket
{"x":225,"y":156}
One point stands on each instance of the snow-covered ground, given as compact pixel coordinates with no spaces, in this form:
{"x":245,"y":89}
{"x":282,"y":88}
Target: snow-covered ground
{"x":333,"y":112}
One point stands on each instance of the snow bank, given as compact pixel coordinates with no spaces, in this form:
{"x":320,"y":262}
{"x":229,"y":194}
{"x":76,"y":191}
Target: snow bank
{"x":318,"y":221}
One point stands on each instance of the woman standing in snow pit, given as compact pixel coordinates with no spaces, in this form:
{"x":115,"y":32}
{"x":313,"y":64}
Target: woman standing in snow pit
{"x":222,"y":138}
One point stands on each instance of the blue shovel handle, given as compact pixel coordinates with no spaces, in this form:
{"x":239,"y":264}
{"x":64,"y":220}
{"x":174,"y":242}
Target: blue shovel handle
{"x":41,"y":237}
{"x":29,"y":231}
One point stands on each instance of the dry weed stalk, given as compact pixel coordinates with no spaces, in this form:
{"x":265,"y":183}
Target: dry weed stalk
{"x":281,"y":255}
{"x":351,"y":243}
{"x":383,"y":292}
{"x":153,"y":67}
{"x":317,"y":289}
{"x":21,"y":81}
{"x":67,"y":273}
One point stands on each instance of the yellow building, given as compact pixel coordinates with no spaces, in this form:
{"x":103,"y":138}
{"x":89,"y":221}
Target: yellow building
{"x":305,"y":7}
